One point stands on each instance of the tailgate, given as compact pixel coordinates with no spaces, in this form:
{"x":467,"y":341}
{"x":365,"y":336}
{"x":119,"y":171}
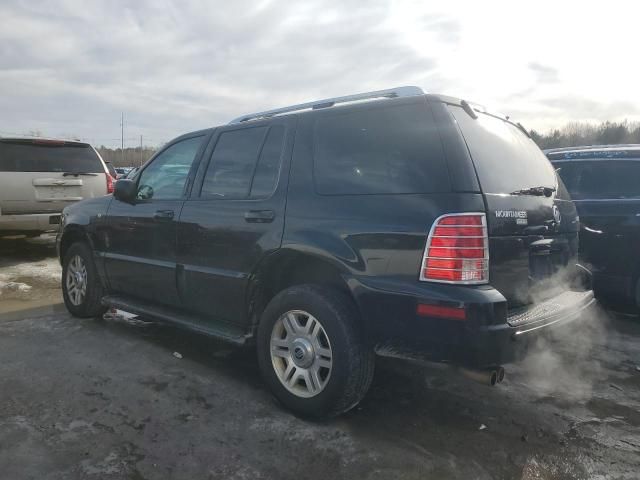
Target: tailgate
{"x":532,"y":255}
{"x":44,"y":176}
{"x":45,"y":192}
{"x":531,"y":222}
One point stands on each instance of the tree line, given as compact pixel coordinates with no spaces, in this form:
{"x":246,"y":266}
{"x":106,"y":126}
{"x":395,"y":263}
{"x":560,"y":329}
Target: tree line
{"x":570,"y":135}
{"x":579,"y":133}
{"x":129,"y":157}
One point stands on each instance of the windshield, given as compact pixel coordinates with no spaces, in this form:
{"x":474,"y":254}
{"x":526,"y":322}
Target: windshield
{"x":506,"y":159}
{"x":26,"y":156}
{"x":601,"y":179}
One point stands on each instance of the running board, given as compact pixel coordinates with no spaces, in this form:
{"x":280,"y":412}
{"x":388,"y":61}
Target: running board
{"x":222,"y":331}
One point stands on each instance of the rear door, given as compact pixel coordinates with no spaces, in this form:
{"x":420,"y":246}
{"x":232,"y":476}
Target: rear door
{"x":44,"y":176}
{"x":532,"y":223}
{"x":234,"y":216}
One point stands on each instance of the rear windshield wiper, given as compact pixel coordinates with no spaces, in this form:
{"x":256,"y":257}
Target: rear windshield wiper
{"x":75,"y":174}
{"x":539,"y":191}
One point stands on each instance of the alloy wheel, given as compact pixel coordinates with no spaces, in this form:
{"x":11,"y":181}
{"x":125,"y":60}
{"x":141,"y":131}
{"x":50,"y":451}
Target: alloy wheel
{"x":76,"y":280}
{"x":301,"y":353}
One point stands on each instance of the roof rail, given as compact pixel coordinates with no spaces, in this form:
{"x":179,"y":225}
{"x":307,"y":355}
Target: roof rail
{"x":330,"y":102}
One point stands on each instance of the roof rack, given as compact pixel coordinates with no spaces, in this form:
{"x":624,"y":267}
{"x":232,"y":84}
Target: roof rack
{"x":330,"y":102}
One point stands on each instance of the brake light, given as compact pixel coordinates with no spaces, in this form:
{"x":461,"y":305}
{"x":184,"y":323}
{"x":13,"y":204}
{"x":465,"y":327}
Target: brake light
{"x":110,"y":185}
{"x":457,"y":250}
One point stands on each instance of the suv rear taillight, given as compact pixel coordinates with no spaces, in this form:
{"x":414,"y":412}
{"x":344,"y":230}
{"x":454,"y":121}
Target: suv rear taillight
{"x":109,"y":183}
{"x":457,"y":250}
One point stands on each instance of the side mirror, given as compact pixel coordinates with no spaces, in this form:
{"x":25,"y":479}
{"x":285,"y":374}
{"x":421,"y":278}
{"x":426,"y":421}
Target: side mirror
{"x":125,"y":190}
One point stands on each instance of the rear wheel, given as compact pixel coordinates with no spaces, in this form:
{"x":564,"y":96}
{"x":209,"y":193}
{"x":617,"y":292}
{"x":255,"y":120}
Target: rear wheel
{"x":312,"y":353}
{"x":81,"y":288}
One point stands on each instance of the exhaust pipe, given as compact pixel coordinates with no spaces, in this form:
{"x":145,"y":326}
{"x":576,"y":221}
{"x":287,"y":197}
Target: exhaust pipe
{"x":490,"y":376}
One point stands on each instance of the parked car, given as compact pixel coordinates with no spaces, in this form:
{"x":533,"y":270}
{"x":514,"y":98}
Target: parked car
{"x":391,"y":222}
{"x":123,"y":172}
{"x":112,"y":170}
{"x":604,"y":182}
{"x":131,"y":173}
{"x":38,"y":178}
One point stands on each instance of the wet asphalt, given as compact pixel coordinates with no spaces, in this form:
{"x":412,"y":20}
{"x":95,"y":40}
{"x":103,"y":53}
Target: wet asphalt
{"x":107,"y":398}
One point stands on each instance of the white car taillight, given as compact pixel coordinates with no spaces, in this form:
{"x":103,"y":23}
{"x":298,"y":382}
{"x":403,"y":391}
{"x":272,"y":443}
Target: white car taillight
{"x":110,"y":183}
{"x":457,"y":250}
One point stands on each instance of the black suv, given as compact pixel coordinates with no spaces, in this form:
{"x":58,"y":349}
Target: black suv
{"x":390,"y":222}
{"x":604,"y":182}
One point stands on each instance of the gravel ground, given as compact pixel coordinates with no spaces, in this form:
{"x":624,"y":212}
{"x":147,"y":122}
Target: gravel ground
{"x":109,"y":399}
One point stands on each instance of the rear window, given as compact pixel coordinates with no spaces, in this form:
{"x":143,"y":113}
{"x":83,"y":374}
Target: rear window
{"x":33,"y":157}
{"x":601,"y":179}
{"x":379,"y":151}
{"x":505,"y":158}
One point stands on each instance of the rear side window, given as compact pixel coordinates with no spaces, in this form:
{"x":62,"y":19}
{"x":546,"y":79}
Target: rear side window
{"x":28,"y":156}
{"x":379,"y":151}
{"x":266,"y":174}
{"x":505,"y":158}
{"x":601,"y":179}
{"x":245,"y":163}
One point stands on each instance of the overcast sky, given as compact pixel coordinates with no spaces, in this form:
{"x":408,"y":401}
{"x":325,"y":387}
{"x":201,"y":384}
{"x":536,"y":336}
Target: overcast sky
{"x":173,"y":67}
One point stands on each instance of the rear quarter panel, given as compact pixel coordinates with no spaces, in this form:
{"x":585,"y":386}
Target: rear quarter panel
{"x":363,"y":235}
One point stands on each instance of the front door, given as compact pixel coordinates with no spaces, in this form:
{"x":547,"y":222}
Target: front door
{"x":140,"y":237}
{"x":234,"y":216}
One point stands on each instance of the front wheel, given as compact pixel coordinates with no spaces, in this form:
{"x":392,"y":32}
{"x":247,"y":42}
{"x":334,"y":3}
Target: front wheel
{"x":81,"y":288}
{"x":312,"y":352}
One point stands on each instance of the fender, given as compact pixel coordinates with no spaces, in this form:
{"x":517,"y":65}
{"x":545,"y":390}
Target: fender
{"x":82,"y":220}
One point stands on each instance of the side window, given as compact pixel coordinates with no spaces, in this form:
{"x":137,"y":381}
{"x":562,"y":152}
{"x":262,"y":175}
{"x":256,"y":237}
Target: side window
{"x":268,"y":168}
{"x":376,"y":151}
{"x":165,"y":177}
{"x":244,"y":164}
{"x":568,"y":172}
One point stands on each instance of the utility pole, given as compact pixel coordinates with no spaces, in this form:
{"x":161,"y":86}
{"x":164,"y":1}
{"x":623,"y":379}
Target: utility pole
{"x":122,"y":135}
{"x":140,"y":164}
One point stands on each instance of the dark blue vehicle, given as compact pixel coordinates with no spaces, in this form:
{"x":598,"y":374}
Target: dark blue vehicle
{"x":604,"y":182}
{"x":390,"y":222}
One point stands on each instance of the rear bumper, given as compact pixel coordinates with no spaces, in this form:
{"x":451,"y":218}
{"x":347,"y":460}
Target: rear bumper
{"x":37,"y":222}
{"x":488,"y":336}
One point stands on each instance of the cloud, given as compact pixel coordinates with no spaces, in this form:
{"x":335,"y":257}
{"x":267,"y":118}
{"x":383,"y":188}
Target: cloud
{"x":177,"y":67}
{"x":172,"y":67}
{"x":543,"y":73}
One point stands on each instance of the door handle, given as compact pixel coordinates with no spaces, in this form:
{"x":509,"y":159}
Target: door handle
{"x":259,"y":216}
{"x":164,"y":215}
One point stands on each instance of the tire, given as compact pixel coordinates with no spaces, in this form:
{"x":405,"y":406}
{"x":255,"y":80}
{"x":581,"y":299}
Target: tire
{"x":338,"y":388}
{"x":89,"y":304}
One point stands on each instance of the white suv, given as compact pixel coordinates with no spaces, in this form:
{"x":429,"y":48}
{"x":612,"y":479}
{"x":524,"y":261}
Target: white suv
{"x":38,"y":178}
